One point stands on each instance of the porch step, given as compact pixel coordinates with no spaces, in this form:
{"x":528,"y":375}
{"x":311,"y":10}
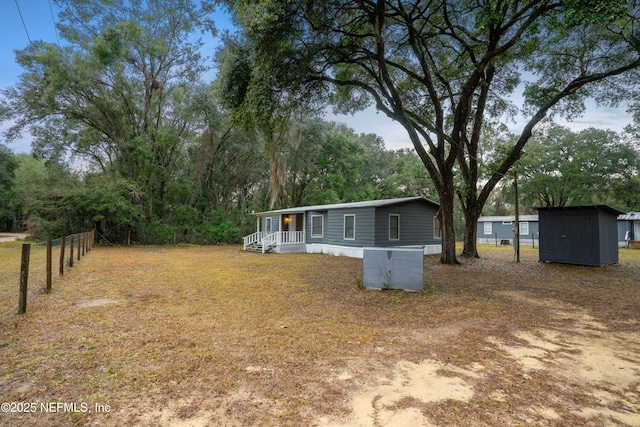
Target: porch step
{"x":257,"y":247}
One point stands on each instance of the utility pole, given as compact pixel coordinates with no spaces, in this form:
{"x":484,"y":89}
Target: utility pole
{"x":516,"y":240}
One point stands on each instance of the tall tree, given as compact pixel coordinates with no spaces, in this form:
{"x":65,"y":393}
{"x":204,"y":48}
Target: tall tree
{"x":8,"y":204}
{"x":560,"y":167}
{"x":443,"y":68}
{"x":115,"y":92}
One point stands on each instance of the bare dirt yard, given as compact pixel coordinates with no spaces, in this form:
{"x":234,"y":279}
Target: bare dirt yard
{"x":213,"y":336}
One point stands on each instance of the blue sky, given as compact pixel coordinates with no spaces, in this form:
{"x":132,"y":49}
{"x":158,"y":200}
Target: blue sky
{"x":39,"y":24}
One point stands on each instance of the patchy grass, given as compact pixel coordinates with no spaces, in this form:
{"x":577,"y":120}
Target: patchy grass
{"x":216,"y":336}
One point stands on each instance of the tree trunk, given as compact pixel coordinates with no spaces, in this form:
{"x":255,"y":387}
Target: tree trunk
{"x":470,"y":249}
{"x":448,"y":255}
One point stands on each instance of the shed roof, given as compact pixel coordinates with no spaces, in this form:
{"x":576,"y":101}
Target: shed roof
{"x":507,"y":218}
{"x":352,"y":205}
{"x":601,"y":207}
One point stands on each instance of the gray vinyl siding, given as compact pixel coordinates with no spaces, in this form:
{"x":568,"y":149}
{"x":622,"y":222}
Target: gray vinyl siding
{"x":415,"y":224}
{"x":505,"y":231}
{"x":275,"y":223}
{"x":631,"y":226}
{"x":623,"y":227}
{"x":308,"y":227}
{"x":364,"y":227}
{"x":416,"y":219}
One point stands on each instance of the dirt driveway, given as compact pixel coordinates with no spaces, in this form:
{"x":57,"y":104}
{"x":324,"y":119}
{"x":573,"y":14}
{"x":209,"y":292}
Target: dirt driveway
{"x":10,"y":237}
{"x":580,"y":353}
{"x":216,"y":337}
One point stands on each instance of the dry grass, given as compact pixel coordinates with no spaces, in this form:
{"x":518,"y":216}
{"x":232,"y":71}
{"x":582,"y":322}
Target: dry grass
{"x":216,"y":336}
{"x":10,"y":260}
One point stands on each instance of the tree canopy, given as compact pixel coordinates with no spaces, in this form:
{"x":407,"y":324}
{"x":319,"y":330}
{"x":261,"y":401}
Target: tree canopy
{"x":175,"y":157}
{"x":445,"y":70}
{"x":563,"y":168}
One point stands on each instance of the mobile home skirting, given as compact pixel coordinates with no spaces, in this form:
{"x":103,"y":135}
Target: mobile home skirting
{"x":357,"y":252}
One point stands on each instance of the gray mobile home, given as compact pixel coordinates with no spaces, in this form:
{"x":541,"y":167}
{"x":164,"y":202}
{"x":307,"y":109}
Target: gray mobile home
{"x":500,"y":229}
{"x":347,"y":228}
{"x":582,"y":235}
{"x":629,"y":222}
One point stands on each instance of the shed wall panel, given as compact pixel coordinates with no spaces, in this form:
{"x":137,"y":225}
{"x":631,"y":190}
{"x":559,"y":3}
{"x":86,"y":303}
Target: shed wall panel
{"x":581,"y":235}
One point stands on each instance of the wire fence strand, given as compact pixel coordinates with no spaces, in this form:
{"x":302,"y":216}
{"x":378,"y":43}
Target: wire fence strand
{"x":10,"y":265}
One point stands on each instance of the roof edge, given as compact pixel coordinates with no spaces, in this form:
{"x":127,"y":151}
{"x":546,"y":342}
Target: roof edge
{"x":349,"y":205}
{"x":558,"y":208}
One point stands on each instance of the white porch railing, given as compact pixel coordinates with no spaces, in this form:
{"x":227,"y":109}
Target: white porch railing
{"x":274,"y":239}
{"x":270,"y":240}
{"x":291,"y":237}
{"x":252,"y":238}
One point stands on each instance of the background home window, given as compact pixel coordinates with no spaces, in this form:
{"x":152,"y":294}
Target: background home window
{"x":394,"y":227}
{"x":524,"y":228}
{"x":488,"y":229}
{"x":437,"y":229}
{"x":316,"y":226}
{"x":349,"y":227}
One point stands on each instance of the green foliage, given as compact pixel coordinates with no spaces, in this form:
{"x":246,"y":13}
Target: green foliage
{"x":156,"y":233}
{"x":219,"y":230}
{"x":446,"y":71}
{"x":8,"y":165}
{"x":562,"y":168}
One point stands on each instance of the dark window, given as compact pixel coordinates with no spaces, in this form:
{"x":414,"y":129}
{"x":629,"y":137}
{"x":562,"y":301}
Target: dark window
{"x":349,"y":227}
{"x":316,"y":226}
{"x":394,"y":227}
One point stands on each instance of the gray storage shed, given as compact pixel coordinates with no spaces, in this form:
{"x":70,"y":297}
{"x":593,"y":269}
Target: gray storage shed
{"x":582,"y":235}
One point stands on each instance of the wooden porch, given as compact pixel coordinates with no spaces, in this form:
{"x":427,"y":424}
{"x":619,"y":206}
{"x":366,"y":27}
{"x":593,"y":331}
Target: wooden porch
{"x":277,"y":241}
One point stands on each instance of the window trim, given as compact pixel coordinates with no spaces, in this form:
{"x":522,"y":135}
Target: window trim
{"x":268,"y":223}
{"x":397,"y":227}
{"x":487,"y":226}
{"x":344,"y":227}
{"x":521,"y":223}
{"x":321,"y":226}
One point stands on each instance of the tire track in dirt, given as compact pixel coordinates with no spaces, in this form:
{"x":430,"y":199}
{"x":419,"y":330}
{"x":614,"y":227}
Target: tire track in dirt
{"x":578,"y":353}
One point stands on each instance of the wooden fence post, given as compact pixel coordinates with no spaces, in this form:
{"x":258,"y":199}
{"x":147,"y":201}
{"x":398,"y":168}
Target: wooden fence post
{"x":79,"y":244}
{"x":24,"y":278}
{"x":49,"y":247}
{"x":62,"y":243}
{"x":84,"y":242}
{"x":71,"y":251}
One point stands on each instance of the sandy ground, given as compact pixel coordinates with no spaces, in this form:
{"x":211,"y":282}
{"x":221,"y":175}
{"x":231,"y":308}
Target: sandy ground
{"x":536,"y":352}
{"x":10,"y":237}
{"x":582,"y":354}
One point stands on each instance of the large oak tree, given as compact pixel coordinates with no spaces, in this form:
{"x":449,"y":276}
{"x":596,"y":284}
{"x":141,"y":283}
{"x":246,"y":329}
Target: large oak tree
{"x":119,"y":91}
{"x":446,"y":69}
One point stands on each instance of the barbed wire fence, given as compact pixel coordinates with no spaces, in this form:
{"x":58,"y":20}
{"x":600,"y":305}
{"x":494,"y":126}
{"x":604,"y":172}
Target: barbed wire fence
{"x":31,"y":269}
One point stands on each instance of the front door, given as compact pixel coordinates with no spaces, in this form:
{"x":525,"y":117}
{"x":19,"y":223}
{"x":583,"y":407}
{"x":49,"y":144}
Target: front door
{"x":294,"y":222}
{"x":288,"y":222}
